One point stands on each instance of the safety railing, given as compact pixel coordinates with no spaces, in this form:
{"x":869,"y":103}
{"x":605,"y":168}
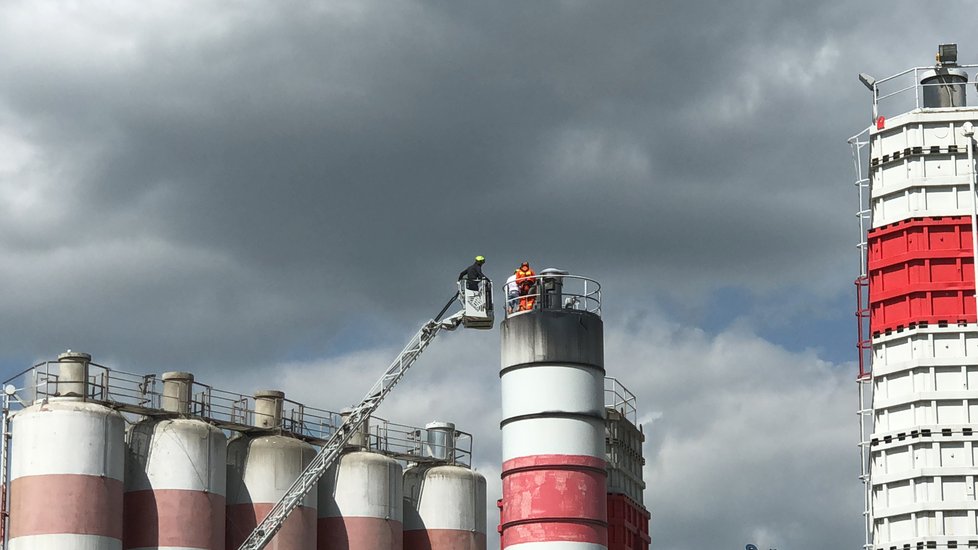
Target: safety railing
{"x":619,"y":398}
{"x":904,"y":92}
{"x":415,"y":444}
{"x":143,"y":394}
{"x":552,"y":289}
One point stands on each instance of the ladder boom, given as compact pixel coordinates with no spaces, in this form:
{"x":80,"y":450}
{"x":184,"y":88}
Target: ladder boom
{"x":307,"y":480}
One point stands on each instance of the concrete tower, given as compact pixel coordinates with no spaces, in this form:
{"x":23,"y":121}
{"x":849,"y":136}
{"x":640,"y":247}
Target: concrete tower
{"x":553,"y":428}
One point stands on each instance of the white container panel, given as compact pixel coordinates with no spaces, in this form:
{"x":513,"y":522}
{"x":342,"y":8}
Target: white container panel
{"x":924,"y":456}
{"x":972,"y":378}
{"x":554,"y":436}
{"x":949,"y":379}
{"x":948,"y":345}
{"x":898,"y":384}
{"x":898,"y":460}
{"x":925,"y":413}
{"x":953,"y":489}
{"x":956,"y":523}
{"x":922,"y":490}
{"x":900,"y":417}
{"x":899,"y":493}
{"x":927,"y":524}
{"x":951,"y":412}
{"x":923,"y":380}
{"x":900,"y":527}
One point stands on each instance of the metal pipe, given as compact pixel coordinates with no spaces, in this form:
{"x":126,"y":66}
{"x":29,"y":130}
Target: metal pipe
{"x":969,"y":132}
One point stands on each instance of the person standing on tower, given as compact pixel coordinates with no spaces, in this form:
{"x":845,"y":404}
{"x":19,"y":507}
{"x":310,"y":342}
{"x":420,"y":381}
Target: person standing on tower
{"x":525,"y":280}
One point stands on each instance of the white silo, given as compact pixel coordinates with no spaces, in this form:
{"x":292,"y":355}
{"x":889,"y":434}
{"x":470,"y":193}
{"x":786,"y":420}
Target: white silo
{"x":175,"y":477}
{"x":67,"y":468}
{"x":360,"y":504}
{"x":445,"y":504}
{"x":261,"y":468}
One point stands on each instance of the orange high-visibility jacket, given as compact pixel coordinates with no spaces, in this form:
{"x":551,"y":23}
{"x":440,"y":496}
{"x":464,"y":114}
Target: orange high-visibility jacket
{"x":524,"y":278}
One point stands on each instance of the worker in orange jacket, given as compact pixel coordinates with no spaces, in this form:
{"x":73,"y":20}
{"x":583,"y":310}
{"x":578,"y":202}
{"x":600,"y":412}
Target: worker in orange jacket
{"x":526,"y":281}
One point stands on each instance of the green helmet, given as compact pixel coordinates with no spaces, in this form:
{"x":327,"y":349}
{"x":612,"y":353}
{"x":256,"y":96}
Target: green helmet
{"x":480,"y":259}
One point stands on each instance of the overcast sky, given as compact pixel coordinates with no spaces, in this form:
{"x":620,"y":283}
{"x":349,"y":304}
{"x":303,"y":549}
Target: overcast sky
{"x":277,"y":194}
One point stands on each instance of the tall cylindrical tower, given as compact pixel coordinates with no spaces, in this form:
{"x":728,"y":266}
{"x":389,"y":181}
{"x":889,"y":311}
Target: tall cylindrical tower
{"x":66,"y":468}
{"x":922,"y":343}
{"x":175,"y":477}
{"x":553,"y":427}
{"x":261,"y":468}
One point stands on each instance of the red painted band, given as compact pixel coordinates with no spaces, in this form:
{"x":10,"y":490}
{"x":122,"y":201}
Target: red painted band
{"x":174,"y":517}
{"x":444,"y":539}
{"x":554,"y":498}
{"x":359,"y":533}
{"x":298,"y":532}
{"x":66,"y":504}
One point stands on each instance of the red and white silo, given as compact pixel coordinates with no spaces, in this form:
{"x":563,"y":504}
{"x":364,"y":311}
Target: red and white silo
{"x":175,"y":478}
{"x":553,"y":428}
{"x":67,"y":468}
{"x":444,"y":508}
{"x":360,"y":504}
{"x":261,"y":468}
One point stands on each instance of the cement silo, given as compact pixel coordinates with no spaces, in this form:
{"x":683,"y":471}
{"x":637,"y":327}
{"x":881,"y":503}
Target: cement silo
{"x":360,"y":504}
{"x":175,"y":477}
{"x":67,"y":468}
{"x":261,"y":468}
{"x":444,"y":508}
{"x":553,"y":427}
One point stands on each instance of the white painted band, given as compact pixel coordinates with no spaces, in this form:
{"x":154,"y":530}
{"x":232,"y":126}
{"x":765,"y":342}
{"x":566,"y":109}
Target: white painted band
{"x":52,"y":440}
{"x":63,"y":542}
{"x":554,"y":436}
{"x":177,"y":454}
{"x":568,"y":388}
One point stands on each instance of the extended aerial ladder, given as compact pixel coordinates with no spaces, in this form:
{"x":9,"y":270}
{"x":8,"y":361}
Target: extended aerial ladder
{"x":476,"y":300}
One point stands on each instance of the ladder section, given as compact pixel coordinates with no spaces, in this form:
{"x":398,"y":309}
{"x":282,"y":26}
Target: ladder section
{"x":332,"y":449}
{"x":864,"y":350}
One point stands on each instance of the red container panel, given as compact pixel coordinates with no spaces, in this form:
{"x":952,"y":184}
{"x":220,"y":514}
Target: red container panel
{"x":921,"y":271}
{"x":628,"y":524}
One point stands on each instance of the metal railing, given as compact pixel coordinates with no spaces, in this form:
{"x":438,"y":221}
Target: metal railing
{"x":619,"y":398}
{"x":552,"y":291}
{"x":904,"y":92}
{"x":414,"y":444}
{"x":143,"y":394}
